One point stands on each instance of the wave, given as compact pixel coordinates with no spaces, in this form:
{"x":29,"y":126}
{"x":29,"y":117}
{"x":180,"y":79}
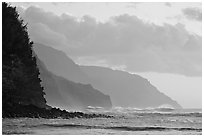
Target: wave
{"x":195,"y":114}
{"x":165,"y":108}
{"x":122,"y":128}
{"x":91,"y":107}
{"x":162,"y":108}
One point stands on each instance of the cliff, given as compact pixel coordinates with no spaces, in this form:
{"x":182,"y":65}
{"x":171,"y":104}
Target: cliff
{"x":125,"y":89}
{"x":66,"y":94}
{"x":20,"y":81}
{"x":59,"y":64}
{"x":22,"y":93}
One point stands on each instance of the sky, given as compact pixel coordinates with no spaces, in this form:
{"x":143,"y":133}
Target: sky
{"x":159,"y":41}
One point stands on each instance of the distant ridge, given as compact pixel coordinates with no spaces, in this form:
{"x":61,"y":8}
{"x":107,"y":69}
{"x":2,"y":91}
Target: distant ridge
{"x":58,"y":63}
{"x":125,"y":89}
{"x":69,"y":95}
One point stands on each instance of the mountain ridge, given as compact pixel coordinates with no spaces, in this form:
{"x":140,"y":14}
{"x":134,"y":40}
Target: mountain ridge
{"x":135,"y":84}
{"x":69,"y":95}
{"x":140,"y":92}
{"x":68,"y":69}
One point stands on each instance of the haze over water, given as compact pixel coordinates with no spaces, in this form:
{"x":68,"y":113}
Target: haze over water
{"x":125,"y":121}
{"x":122,"y":68}
{"x":160,"y":41}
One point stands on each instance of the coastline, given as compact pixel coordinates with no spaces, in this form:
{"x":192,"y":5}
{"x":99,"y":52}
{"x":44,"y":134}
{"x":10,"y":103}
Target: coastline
{"x":31,"y":111}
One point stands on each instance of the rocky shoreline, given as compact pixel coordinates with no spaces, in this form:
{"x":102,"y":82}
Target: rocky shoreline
{"x":31,"y":111}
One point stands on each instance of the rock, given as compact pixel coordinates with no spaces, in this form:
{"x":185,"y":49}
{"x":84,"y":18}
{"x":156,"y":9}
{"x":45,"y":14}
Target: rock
{"x":31,"y":111}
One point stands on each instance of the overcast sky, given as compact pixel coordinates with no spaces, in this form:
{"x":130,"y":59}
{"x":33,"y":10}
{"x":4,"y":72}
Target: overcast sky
{"x":160,"y":41}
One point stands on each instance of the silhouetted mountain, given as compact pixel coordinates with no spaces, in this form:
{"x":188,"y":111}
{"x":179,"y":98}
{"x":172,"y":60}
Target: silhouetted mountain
{"x":20,"y":82}
{"x":66,"y":94}
{"x":22,"y":94}
{"x":124,"y":89}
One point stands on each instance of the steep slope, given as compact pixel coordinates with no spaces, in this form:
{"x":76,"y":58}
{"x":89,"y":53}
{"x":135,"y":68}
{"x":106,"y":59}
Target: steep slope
{"x":58,"y":63}
{"x":52,"y":94}
{"x":66,"y":94}
{"x":126,"y":89}
{"x":20,"y":82}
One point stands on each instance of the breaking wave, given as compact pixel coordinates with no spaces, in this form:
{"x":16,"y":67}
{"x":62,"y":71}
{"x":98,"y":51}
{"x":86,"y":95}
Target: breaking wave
{"x":165,"y":109}
{"x":162,"y":108}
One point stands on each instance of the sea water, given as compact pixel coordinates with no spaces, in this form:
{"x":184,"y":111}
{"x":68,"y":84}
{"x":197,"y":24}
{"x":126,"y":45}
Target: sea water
{"x":125,"y":121}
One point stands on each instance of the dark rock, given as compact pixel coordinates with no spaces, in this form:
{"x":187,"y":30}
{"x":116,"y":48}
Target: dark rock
{"x":31,"y":111}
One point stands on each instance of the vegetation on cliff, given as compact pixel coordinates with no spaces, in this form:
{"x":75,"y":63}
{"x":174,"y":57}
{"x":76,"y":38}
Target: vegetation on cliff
{"x":22,"y":94}
{"x":20,"y":75}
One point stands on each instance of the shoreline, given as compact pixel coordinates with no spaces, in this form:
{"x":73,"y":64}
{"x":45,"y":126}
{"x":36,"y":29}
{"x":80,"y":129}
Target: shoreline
{"x":31,"y":111}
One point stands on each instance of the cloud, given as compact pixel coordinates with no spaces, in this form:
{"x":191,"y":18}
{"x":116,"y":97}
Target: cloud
{"x":133,"y":4}
{"x":62,"y":3}
{"x":124,"y":41}
{"x":193,"y":13}
{"x":42,"y":34}
{"x":168,"y":4}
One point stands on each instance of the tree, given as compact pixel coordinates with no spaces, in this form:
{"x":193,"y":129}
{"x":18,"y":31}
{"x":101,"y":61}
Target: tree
{"x":20,"y":74}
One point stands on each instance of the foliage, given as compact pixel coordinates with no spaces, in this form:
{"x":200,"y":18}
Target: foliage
{"x":20,"y":75}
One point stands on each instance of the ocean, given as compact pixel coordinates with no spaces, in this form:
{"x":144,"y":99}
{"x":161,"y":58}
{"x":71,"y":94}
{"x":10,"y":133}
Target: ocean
{"x":133,"y":121}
